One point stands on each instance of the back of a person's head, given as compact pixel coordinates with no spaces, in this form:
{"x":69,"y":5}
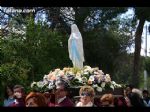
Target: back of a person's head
{"x":107,"y":97}
{"x":38,"y":98}
{"x":137,"y":91}
{"x":135,"y":99}
{"x":130,"y":86}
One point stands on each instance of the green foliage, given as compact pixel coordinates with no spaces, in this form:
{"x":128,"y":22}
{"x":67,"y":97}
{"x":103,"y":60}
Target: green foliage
{"x":142,"y":12}
{"x":104,"y":48}
{"x":46,"y":49}
{"x":13,"y":73}
{"x":147,"y":65}
{"x":28,"y":57}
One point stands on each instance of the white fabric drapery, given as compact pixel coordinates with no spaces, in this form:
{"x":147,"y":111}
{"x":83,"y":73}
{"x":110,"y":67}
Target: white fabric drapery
{"x":75,"y":47}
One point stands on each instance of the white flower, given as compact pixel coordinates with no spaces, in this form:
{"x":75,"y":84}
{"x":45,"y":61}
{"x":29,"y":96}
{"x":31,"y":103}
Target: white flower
{"x":82,"y":72}
{"x":99,"y":80}
{"x":57,"y":70}
{"x":107,"y":78}
{"x":113,"y":82}
{"x":84,"y":79}
{"x":99,"y":89}
{"x":91,"y":71}
{"x":45,"y":82}
{"x":51,"y":85}
{"x":86,"y":73}
{"x":85,"y":70}
{"x":88,"y":67}
{"x":96,"y":68}
{"x":79,"y":78}
{"x":45,"y":77}
{"x":103,"y":84}
{"x":118,"y":85}
{"x":40,"y":84}
{"x":100,"y":72}
{"x":33,"y":83}
{"x":78,"y":75}
{"x":95,"y":85}
{"x":111,"y":86}
{"x":91,"y":78}
{"x":70,"y":72}
{"x":61,"y":73}
{"x":96,"y":73}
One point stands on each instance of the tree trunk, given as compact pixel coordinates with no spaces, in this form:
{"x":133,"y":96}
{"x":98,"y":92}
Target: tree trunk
{"x":138,"y":38}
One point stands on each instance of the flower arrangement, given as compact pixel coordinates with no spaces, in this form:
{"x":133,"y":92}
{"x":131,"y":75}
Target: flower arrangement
{"x":76,"y":78}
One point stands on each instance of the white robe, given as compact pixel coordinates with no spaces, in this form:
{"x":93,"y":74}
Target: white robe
{"x":75,"y":47}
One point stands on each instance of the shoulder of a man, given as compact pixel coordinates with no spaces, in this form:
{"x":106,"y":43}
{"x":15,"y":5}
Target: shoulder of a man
{"x":67,"y":101}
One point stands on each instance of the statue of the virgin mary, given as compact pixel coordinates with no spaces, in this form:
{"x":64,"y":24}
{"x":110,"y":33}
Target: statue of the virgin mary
{"x":75,"y":47}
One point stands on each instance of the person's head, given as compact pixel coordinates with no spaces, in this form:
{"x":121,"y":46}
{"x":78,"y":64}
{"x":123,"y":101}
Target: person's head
{"x":87,"y":94}
{"x":35,"y":99}
{"x":18,"y":91}
{"x":135,"y":99}
{"x":8,"y":91}
{"x":137,"y":91}
{"x":128,"y":89}
{"x":145,"y":93}
{"x":61,"y":89}
{"x":107,"y":100}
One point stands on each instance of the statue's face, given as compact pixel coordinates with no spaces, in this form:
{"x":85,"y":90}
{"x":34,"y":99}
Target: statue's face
{"x":74,"y":28}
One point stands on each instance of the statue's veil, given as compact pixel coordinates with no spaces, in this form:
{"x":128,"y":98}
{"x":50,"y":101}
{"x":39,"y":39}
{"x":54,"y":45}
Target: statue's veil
{"x":75,"y":47}
{"x":74,"y":28}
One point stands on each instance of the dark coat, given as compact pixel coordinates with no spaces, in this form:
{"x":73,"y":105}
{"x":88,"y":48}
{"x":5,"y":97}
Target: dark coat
{"x":66,"y":103}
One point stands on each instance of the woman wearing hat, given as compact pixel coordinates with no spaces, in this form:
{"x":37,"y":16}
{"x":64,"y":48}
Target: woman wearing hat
{"x":86,"y":97}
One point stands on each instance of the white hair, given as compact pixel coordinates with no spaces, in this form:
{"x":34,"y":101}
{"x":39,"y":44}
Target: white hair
{"x":137,"y":91}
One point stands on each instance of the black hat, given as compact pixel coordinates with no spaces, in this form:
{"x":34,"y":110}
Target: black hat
{"x":61,"y":83}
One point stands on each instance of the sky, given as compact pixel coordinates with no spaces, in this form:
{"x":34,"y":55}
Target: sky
{"x":144,"y":39}
{"x":130,"y":13}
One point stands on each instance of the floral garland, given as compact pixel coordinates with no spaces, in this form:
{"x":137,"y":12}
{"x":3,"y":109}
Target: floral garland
{"x":76,"y":78}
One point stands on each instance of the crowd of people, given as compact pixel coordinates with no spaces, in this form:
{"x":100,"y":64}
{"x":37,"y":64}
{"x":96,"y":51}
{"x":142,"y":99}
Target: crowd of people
{"x":15,"y":97}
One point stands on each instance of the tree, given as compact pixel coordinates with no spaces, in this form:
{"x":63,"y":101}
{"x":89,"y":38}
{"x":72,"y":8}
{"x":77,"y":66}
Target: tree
{"x":27,"y":57}
{"x":142,"y":13}
{"x":43,"y":45}
{"x":147,"y":65}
